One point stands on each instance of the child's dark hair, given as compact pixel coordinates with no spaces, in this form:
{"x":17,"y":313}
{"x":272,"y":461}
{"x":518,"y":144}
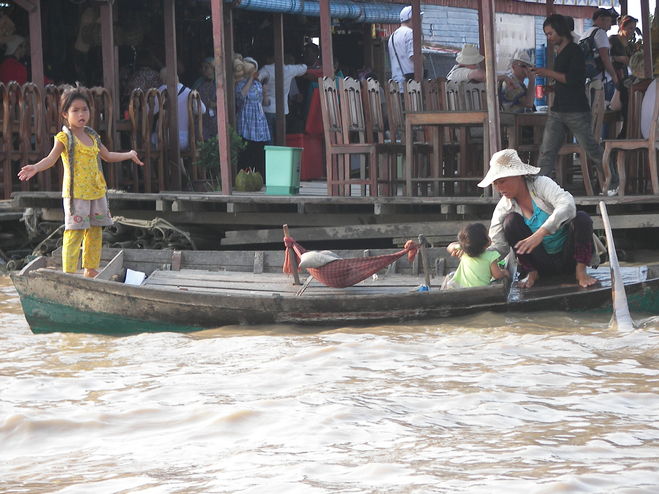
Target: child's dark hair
{"x":70,"y":94}
{"x":473,"y":239}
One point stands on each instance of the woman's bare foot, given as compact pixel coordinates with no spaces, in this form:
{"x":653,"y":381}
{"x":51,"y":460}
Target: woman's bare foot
{"x":530,"y":280}
{"x":90,"y":273}
{"x":584,"y":279}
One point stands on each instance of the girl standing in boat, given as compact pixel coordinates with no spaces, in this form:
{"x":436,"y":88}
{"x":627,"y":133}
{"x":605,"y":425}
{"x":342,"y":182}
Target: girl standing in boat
{"x":86,"y":209}
{"x":477,"y":264}
{"x":539,"y":220}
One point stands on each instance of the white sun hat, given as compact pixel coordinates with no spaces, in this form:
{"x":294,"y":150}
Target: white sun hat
{"x":522,"y":56}
{"x":507,"y":163}
{"x":469,"y":55}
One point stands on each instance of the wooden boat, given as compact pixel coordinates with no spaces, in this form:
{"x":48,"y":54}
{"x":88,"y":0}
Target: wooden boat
{"x":194,"y":290}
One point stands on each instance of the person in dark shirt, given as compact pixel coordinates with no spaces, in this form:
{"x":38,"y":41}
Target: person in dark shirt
{"x":570,"y":110}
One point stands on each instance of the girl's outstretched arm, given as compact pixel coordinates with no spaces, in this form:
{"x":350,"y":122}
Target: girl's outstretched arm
{"x":112,"y":157}
{"x":29,"y":171}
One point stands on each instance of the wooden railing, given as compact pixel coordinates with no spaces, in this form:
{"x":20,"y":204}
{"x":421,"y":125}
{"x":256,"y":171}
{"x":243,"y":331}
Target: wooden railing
{"x":30,"y":118}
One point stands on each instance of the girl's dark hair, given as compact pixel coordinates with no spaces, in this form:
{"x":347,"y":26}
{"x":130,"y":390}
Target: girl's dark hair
{"x":473,"y":239}
{"x":70,"y":94}
{"x":558,"y":24}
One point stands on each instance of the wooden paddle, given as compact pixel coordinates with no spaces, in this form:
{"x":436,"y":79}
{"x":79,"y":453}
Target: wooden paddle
{"x":621,"y":317}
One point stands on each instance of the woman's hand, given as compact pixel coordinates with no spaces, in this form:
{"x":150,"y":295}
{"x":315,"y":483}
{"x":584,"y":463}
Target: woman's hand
{"x":527,"y":245}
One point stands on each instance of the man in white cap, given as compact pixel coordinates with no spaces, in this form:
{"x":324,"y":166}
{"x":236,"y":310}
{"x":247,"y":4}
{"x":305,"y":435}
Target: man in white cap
{"x":401,"y":50}
{"x":468,"y":66}
{"x":514,"y":95}
{"x":539,"y":220}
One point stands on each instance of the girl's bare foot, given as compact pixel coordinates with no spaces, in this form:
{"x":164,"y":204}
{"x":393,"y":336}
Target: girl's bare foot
{"x":530,"y":280}
{"x":90,"y":273}
{"x":583,"y":279}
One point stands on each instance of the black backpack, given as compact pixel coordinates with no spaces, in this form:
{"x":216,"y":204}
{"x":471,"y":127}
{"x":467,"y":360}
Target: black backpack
{"x":591,"y":53}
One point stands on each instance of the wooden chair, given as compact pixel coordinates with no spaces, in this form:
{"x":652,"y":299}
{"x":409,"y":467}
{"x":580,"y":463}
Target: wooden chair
{"x":344,"y":132}
{"x":195,"y":136}
{"x":54,"y":176}
{"x":422,"y":150}
{"x":12,"y":103}
{"x":623,"y":145}
{"x":31,"y":131}
{"x":596,"y":93}
{"x":388,"y":151}
{"x":154,"y":156}
{"x":139,"y":136}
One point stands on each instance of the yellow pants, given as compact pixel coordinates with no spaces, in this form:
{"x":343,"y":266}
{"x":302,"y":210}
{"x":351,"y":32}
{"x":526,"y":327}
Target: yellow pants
{"x":91,"y":240}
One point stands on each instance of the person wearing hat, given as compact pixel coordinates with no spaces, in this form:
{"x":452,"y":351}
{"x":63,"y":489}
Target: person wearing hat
{"x":13,"y":67}
{"x":514,"y":95}
{"x":468,"y":66}
{"x":539,"y":220}
{"x":602,"y":21}
{"x":401,"y":49}
{"x":570,"y":110}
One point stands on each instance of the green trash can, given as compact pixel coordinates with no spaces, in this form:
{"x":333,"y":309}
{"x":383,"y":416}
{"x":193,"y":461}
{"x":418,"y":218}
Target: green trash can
{"x":282,"y":170}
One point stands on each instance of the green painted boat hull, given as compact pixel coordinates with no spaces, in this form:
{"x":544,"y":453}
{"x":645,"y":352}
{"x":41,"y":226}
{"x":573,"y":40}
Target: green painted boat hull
{"x":48,"y":317}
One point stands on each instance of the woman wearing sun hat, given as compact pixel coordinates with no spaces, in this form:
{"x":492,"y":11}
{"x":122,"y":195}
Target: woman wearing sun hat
{"x":539,"y":220}
{"x":468,"y":66}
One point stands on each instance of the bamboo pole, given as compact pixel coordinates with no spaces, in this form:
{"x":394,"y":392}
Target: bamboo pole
{"x":621,"y":317}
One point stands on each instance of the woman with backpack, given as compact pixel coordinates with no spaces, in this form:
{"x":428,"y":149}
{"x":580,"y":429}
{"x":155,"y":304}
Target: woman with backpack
{"x":570,"y":110}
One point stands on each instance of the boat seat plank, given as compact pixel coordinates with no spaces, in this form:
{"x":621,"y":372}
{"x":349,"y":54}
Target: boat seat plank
{"x":269,"y":283}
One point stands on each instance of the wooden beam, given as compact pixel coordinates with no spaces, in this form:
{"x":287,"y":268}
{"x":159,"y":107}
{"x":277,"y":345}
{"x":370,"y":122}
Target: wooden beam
{"x":278,"y":23}
{"x":223,"y":139}
{"x":110,"y":76}
{"x":36,"y":41}
{"x":417,"y":32}
{"x":172,"y":81}
{"x":647,"y":39}
{"x":494,"y":129}
{"x":29,"y":5}
{"x":327,"y":53}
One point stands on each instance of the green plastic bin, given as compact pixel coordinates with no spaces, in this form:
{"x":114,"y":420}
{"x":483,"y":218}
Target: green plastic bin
{"x":282,"y":170}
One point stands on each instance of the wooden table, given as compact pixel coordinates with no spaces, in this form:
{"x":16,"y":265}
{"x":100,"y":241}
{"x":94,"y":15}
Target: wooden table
{"x":441,"y":119}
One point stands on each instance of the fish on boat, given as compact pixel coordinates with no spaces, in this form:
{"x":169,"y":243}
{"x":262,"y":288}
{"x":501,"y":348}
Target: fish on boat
{"x":141,"y":290}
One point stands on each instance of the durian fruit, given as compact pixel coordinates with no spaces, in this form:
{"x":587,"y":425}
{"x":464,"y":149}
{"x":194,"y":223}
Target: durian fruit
{"x":249,"y":180}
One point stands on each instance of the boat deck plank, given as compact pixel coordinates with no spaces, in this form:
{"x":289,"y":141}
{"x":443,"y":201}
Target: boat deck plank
{"x":271,"y":283}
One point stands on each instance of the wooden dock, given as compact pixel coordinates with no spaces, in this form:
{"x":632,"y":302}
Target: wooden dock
{"x":250,"y":219}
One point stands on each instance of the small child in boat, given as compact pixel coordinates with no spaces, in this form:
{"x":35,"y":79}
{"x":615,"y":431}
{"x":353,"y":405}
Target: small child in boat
{"x":478,"y":266}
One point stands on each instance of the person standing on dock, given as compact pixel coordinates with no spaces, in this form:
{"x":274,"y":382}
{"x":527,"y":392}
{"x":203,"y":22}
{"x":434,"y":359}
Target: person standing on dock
{"x":86,"y":209}
{"x":401,"y":49}
{"x":539,"y":220}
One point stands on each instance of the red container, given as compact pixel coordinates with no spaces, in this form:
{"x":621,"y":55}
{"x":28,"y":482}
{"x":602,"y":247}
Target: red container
{"x":313,"y":159}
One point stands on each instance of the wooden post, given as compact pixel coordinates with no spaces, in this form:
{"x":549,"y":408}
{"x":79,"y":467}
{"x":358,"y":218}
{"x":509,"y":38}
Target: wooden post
{"x":172,"y":82}
{"x":293,"y":258}
{"x":423,"y":243}
{"x":417,"y":32}
{"x":647,"y":40}
{"x":493,"y":139}
{"x":223,"y":140}
{"x":621,"y":317}
{"x":326,"y":39}
{"x":278,"y":22}
{"x":110,"y":80}
{"x":33,"y":8}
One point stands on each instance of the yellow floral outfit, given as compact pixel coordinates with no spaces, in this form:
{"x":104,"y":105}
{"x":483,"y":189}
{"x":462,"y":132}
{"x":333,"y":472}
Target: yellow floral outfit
{"x":86,"y":209}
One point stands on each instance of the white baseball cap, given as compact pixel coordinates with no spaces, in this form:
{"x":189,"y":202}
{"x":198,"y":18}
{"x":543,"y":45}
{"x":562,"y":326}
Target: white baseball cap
{"x":406,"y":13}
